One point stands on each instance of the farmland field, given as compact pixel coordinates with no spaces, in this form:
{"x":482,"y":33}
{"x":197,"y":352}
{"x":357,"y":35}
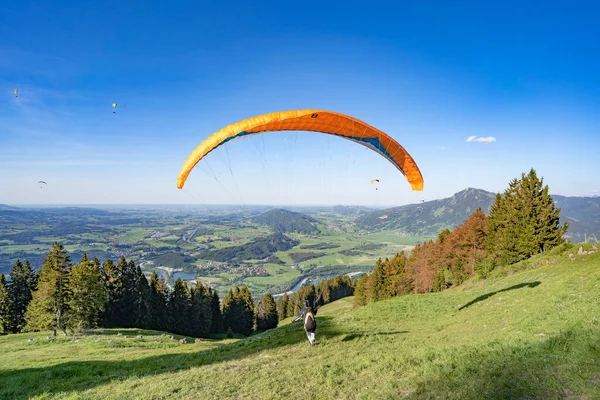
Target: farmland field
{"x":214,"y":245}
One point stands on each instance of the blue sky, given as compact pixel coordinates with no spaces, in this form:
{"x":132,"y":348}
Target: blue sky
{"x":430,"y":74}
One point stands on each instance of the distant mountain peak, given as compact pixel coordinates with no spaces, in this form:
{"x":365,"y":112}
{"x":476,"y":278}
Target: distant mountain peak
{"x":6,"y":207}
{"x":430,"y":217}
{"x":284,"y":221}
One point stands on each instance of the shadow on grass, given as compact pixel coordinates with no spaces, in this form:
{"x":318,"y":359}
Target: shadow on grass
{"x":356,"y":335}
{"x":488,"y":295}
{"x":134,"y":332}
{"x":565,"y":366}
{"x":76,"y":376}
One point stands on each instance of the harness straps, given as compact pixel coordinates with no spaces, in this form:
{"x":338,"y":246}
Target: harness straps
{"x":308,"y":314}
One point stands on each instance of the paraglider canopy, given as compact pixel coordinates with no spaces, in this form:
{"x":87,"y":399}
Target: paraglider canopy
{"x":375,"y":181}
{"x":41,"y":182}
{"x":16,"y":91}
{"x":322,"y":121}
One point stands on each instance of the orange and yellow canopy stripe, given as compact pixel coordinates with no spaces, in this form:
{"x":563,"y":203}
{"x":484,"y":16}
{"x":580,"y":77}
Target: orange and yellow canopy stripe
{"x":327,"y":122}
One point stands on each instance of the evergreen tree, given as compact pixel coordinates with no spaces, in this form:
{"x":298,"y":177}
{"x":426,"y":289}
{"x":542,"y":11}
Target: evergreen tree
{"x":245,"y":298}
{"x":128,"y":305}
{"x":524,"y":221}
{"x":49,"y":307}
{"x":4,"y":307}
{"x":297,"y":299}
{"x":325,"y":288}
{"x":230,"y":311}
{"x":159,"y":297}
{"x":217,"y":318}
{"x":23,"y":282}
{"x":282,"y":305}
{"x":397,"y":280}
{"x":376,"y":289}
{"x":238,"y":310}
{"x":180,"y":304}
{"x":88,"y":295}
{"x":339,"y":287}
{"x":360,"y":290}
{"x":142,"y":299}
{"x":266,"y":313}
{"x":201,"y":311}
{"x":127,"y":294}
{"x":293,"y":305}
{"x":112,"y":276}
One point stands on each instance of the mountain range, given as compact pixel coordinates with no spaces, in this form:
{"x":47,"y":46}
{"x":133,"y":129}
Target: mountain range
{"x":431,"y":217}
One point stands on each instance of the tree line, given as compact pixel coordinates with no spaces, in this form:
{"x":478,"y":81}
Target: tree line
{"x":64,"y":296}
{"x":327,"y":290}
{"x":522,"y":222}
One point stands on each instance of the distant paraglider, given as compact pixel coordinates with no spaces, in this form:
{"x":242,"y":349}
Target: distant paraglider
{"x":114,"y":105}
{"x":16,"y":92}
{"x":375,"y":181}
{"x":41,"y":183}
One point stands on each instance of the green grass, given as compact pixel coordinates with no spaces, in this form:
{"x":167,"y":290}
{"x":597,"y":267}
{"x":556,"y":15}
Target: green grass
{"x":275,"y":278}
{"x":534,"y":333}
{"x":12,"y":248}
{"x":134,"y":235}
{"x":391,"y":238}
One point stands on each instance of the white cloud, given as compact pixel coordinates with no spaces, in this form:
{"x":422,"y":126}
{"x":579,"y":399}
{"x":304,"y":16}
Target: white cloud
{"x":486,"y":140}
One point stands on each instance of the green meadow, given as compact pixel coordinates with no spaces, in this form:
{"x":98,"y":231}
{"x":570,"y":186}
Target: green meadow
{"x":531,"y":331}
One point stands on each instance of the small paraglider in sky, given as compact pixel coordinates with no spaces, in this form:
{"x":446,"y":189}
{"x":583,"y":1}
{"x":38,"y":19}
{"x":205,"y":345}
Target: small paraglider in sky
{"x":42,"y":183}
{"x":375,"y":181}
{"x":16,"y":92}
{"x":114,"y":105}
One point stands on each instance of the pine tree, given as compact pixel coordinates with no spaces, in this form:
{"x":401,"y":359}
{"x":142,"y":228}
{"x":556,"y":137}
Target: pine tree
{"x":159,"y":297}
{"x":217,"y":317}
{"x":230,"y":311}
{"x":266,"y":313}
{"x":128,"y":305}
{"x":4,"y":307}
{"x":339,"y":287}
{"x":23,"y":282}
{"x":282,"y":305}
{"x":49,"y":307}
{"x":524,"y":221}
{"x":238,"y":310}
{"x":376,"y":289}
{"x":141,"y":299}
{"x":112,"y":275}
{"x":325,"y":288}
{"x":360,"y":290}
{"x":245,"y":298}
{"x":201,"y":311}
{"x":293,"y":305}
{"x":88,"y":295}
{"x":397,"y":280}
{"x":180,"y":304}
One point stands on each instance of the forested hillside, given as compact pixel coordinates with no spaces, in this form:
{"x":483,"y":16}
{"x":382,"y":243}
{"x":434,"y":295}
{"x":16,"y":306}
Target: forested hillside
{"x":284,"y":221}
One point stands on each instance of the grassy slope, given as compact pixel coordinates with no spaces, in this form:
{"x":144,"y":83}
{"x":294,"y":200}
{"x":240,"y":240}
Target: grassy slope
{"x":532,"y":334}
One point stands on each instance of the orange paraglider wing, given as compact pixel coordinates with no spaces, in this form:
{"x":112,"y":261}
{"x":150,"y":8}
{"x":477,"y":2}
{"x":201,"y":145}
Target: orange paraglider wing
{"x":327,"y":122}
